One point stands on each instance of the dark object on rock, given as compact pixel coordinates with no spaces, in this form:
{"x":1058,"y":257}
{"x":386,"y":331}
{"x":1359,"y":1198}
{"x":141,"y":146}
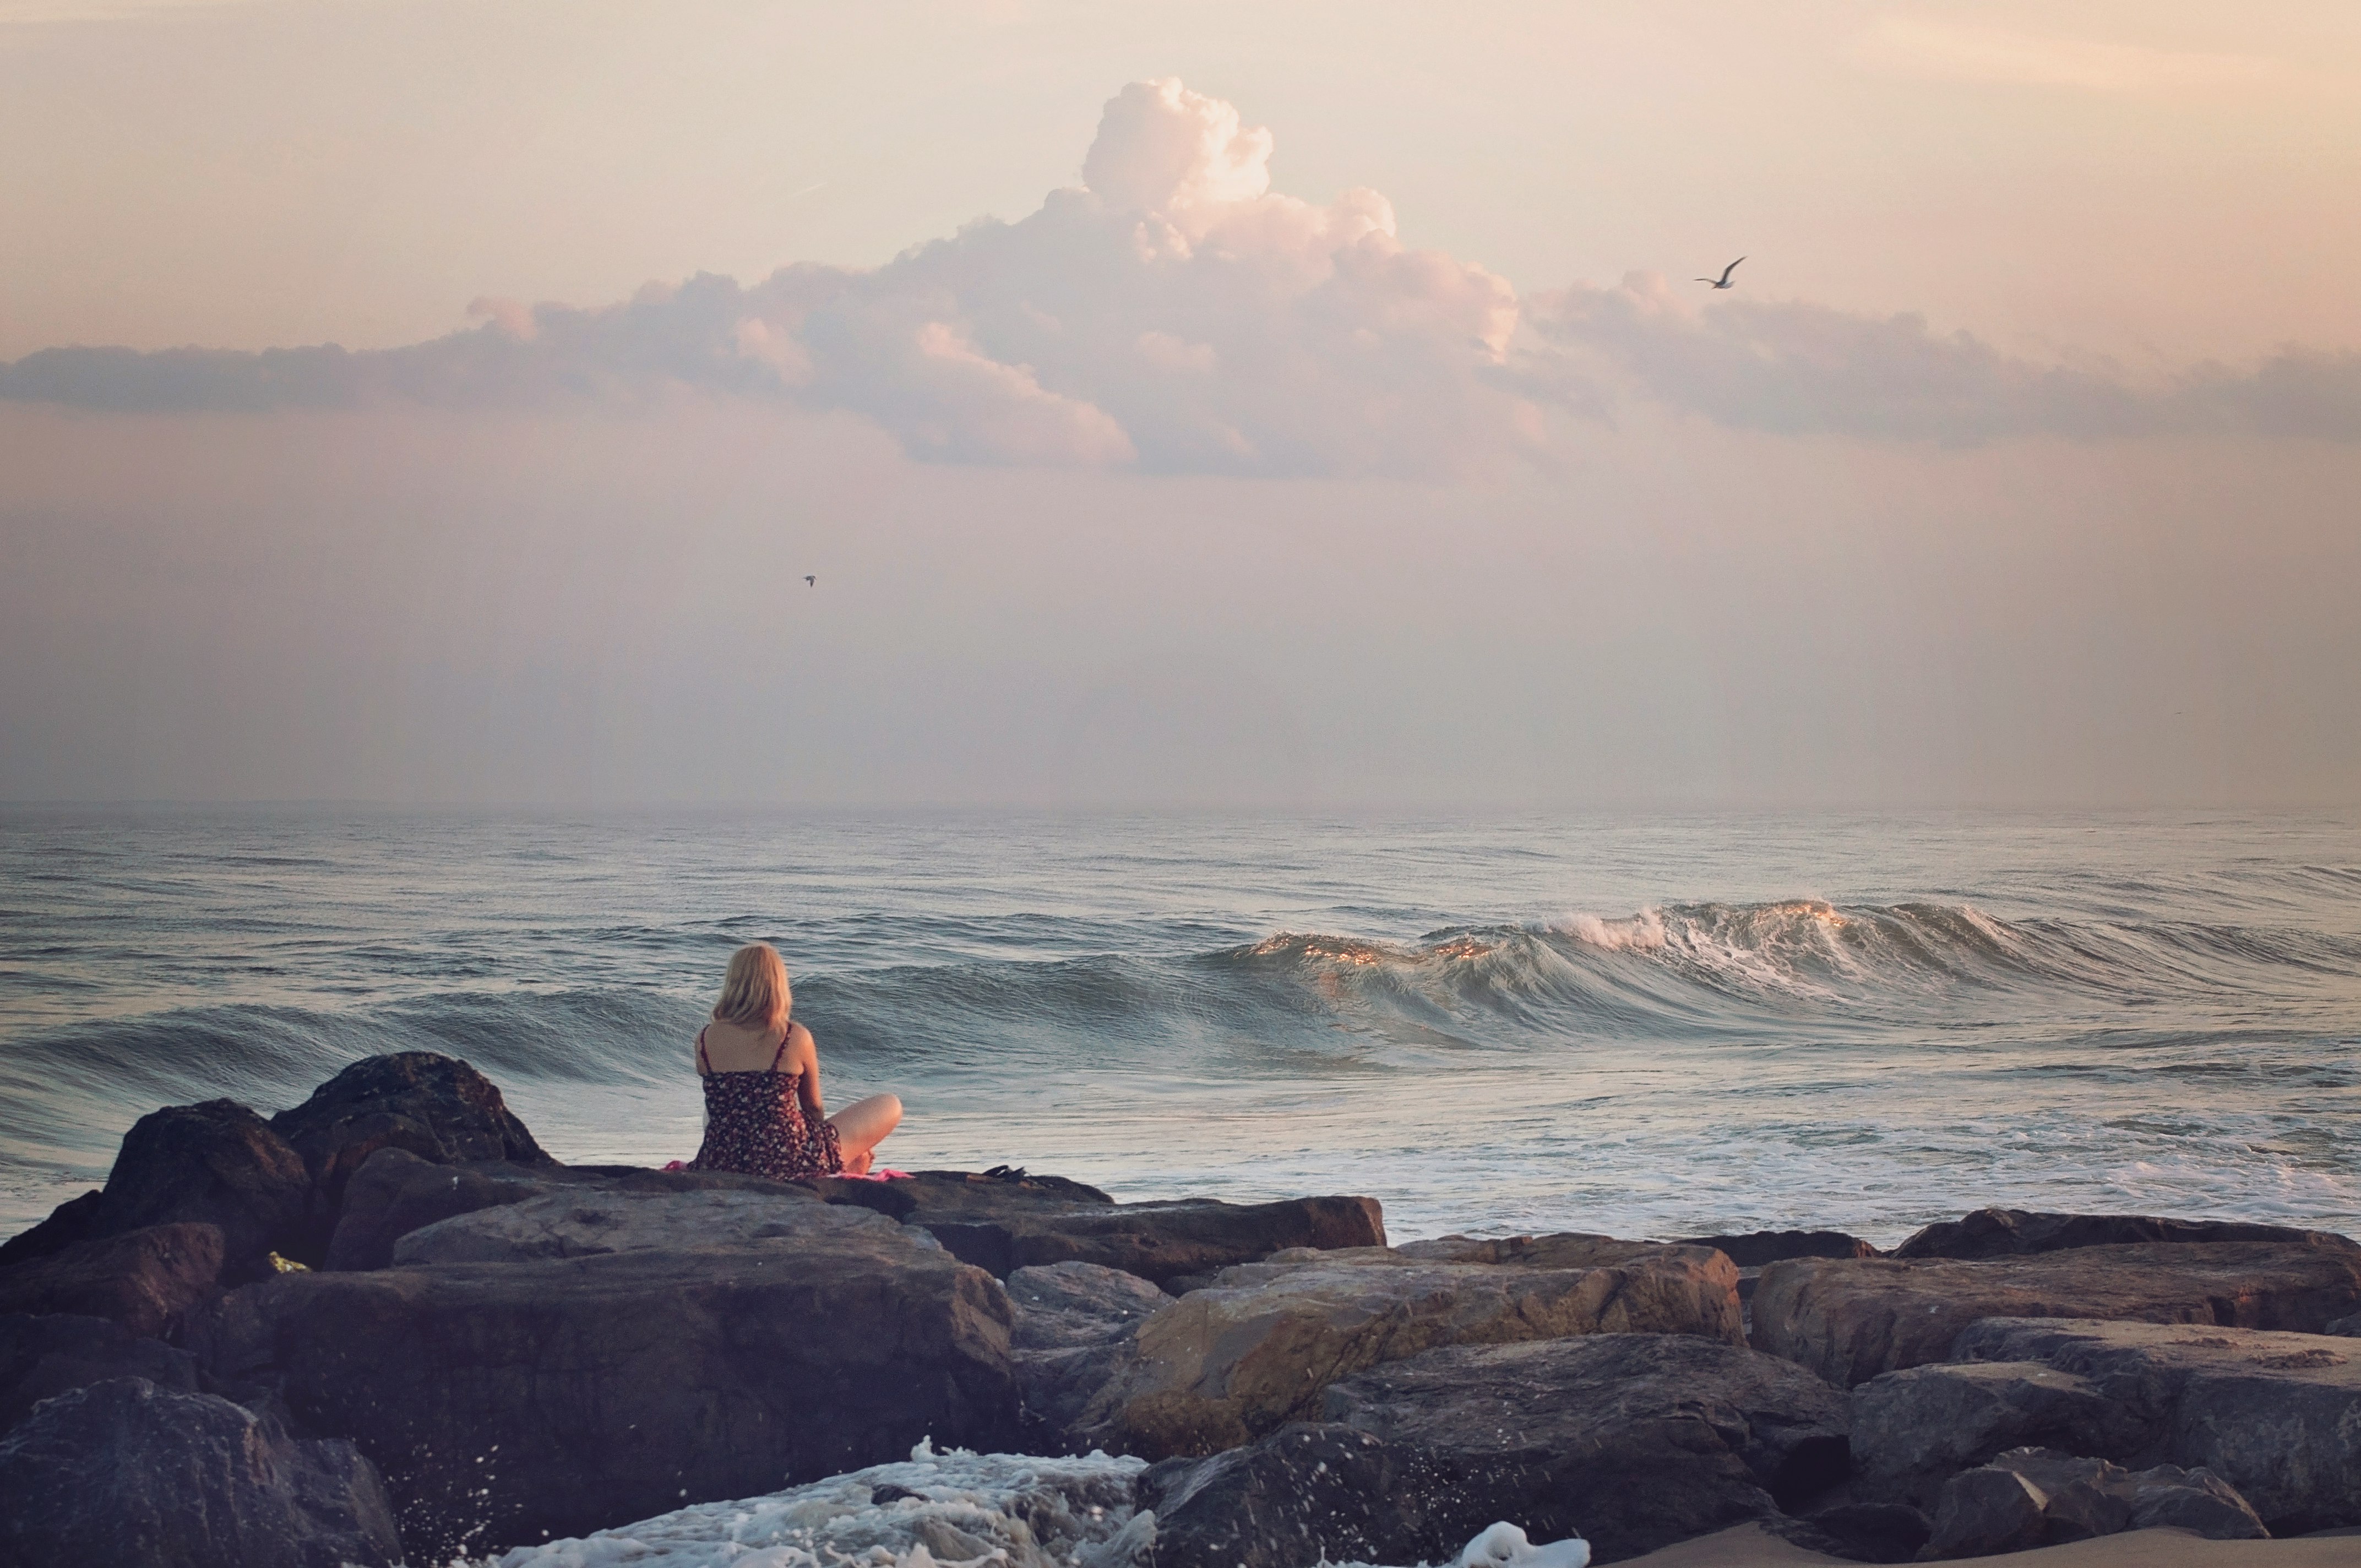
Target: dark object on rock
{"x":1155,"y":1240}
{"x":889,"y":1493}
{"x":1870,"y":1533}
{"x":75,"y":1219}
{"x":1984,"y":1512}
{"x":1758,"y":1247}
{"x":2017,"y":1233}
{"x":2345,"y":1328}
{"x":1849,"y":1321}
{"x":2277,"y":1417}
{"x":434,"y":1107}
{"x":1223,"y":1367}
{"x":143,"y":1280}
{"x":40,"y":1356}
{"x":1914,"y":1430}
{"x":218,"y":1163}
{"x":1634,"y":1441}
{"x":503,"y":1400}
{"x":125,"y":1471}
{"x":1309,"y":1493}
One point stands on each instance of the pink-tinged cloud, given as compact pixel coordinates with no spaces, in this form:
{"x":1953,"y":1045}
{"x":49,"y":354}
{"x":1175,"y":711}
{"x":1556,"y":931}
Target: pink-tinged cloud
{"x":1173,"y":313}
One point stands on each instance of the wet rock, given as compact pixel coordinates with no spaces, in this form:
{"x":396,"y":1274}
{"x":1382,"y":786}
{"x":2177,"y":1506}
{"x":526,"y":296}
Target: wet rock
{"x":1757,"y":1248}
{"x":44,"y":1355}
{"x":1914,"y":1430}
{"x":573,"y":1222}
{"x":143,"y":1280}
{"x":1986,"y":1511}
{"x":503,"y":1400}
{"x":1070,"y":1319}
{"x":2277,"y":1417}
{"x":434,"y":1107}
{"x":1634,"y":1441}
{"x":927,"y":1195}
{"x":1851,"y":1320}
{"x":1309,"y":1493}
{"x":1159,"y":1242}
{"x":75,"y":1219}
{"x":1221,"y":1366}
{"x":2017,"y":1233}
{"x":125,"y":1471}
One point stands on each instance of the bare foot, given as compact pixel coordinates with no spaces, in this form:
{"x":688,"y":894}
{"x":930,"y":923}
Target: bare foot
{"x":859,"y":1164}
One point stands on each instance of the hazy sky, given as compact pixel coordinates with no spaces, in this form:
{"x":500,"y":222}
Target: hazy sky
{"x":1287,"y":404}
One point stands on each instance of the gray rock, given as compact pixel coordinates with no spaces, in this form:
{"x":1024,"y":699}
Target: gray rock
{"x":2017,"y":1232}
{"x":1757,"y":1248}
{"x":583,"y":1223}
{"x":1159,"y":1242}
{"x":144,"y":1280}
{"x":1851,"y":1320}
{"x":2275,"y":1416}
{"x":124,"y":1471}
{"x":1064,"y":1306}
{"x":40,"y":1356}
{"x":2168,"y":1497}
{"x":1634,"y":1441}
{"x":1914,"y":1430}
{"x":1984,"y":1512}
{"x":1224,"y":1365}
{"x":504,"y":1400}
{"x":1307,"y":1493}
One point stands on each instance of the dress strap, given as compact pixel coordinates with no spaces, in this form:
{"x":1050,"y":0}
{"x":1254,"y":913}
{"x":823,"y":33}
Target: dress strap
{"x":781,"y":1053}
{"x":703,"y":1066}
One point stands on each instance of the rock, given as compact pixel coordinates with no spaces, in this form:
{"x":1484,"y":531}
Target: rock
{"x":503,"y":1400}
{"x":2277,"y":1417}
{"x":1756,"y":1248}
{"x":2168,"y":1497}
{"x":1914,"y":1430}
{"x":1063,"y":1306}
{"x":1221,"y":1366}
{"x":44,"y":1355}
{"x":218,"y":1163}
{"x":1563,"y":1249}
{"x":1634,"y":1441}
{"x":1851,"y":1320}
{"x":2345,"y":1328}
{"x":144,"y":1280}
{"x":1159,"y":1242}
{"x":75,"y":1220}
{"x":1870,"y":1533}
{"x":1986,"y":1511}
{"x":583,"y":1223}
{"x":434,"y":1107}
{"x":2017,"y":1232}
{"x":1307,"y":1493}
{"x":927,"y":1195}
{"x":125,"y":1471}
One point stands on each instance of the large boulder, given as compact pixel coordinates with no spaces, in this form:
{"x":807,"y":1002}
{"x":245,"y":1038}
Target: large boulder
{"x":75,"y":1219}
{"x":507,"y":1400}
{"x":1851,"y":1319}
{"x":1756,"y":1248}
{"x":125,"y":1471}
{"x":1634,"y":1441}
{"x":216,"y":1163}
{"x":1224,"y":1365}
{"x":1161,"y":1243}
{"x":44,"y":1355}
{"x":143,"y":1280}
{"x":1914,"y":1430}
{"x":585,"y":1222}
{"x":2034,"y":1496}
{"x":1307,"y":1493}
{"x":2277,"y":1416}
{"x":924,"y":1195}
{"x":1071,"y":1320}
{"x":434,"y":1107}
{"x":2019,"y":1232}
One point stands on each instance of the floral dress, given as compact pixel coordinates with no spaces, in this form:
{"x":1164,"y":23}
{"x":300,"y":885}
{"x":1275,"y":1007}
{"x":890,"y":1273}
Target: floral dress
{"x":755,"y":1123}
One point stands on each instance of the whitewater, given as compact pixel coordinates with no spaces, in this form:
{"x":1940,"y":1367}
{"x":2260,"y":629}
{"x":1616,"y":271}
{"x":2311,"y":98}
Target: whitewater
{"x":1639,"y":1025}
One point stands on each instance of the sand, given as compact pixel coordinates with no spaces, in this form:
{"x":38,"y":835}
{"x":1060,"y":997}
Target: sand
{"x":1748,"y":1547}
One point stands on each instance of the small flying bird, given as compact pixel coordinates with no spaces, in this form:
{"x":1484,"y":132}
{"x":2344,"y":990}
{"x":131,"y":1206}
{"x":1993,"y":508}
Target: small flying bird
{"x":1723,"y":281}
{"x":811,"y":580}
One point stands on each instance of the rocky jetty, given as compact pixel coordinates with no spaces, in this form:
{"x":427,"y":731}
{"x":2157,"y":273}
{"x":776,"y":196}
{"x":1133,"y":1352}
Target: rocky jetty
{"x":489,"y":1350}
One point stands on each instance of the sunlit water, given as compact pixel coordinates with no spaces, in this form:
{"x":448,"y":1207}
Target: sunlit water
{"x":1644,"y":1025}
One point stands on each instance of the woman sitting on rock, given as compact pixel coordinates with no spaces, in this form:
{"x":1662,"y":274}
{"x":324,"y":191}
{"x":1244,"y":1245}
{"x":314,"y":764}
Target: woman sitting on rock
{"x":764,"y":1114}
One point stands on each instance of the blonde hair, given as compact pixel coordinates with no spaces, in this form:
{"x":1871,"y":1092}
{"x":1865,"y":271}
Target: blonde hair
{"x":754,"y":994}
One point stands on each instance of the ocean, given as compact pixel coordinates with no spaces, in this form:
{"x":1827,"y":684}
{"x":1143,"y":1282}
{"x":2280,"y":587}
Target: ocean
{"x":1649,"y":1026}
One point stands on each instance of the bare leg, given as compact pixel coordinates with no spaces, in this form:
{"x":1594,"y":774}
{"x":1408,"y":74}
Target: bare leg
{"x":861,"y":1126}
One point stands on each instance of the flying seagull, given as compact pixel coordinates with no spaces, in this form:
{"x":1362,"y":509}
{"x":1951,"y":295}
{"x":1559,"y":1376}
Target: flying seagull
{"x":810,"y":581}
{"x":1723,"y":281}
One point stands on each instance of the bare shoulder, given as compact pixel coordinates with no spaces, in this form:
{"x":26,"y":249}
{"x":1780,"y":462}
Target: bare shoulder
{"x":802,"y":1049}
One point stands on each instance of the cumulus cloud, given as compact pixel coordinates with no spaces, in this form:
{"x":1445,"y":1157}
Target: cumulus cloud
{"x":1174,"y":314}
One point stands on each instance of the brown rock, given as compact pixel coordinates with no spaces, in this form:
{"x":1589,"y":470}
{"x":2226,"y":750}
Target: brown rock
{"x":42,"y":1357}
{"x":1849,"y":1321}
{"x":1221,"y":1366}
{"x":2019,"y":1232}
{"x":144,"y":1280}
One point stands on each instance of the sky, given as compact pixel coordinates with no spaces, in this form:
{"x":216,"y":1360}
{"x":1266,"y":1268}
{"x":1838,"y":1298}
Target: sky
{"x":1295,"y":405}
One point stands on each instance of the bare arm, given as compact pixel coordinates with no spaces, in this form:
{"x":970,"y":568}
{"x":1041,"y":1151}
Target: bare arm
{"x":803,"y":1057}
